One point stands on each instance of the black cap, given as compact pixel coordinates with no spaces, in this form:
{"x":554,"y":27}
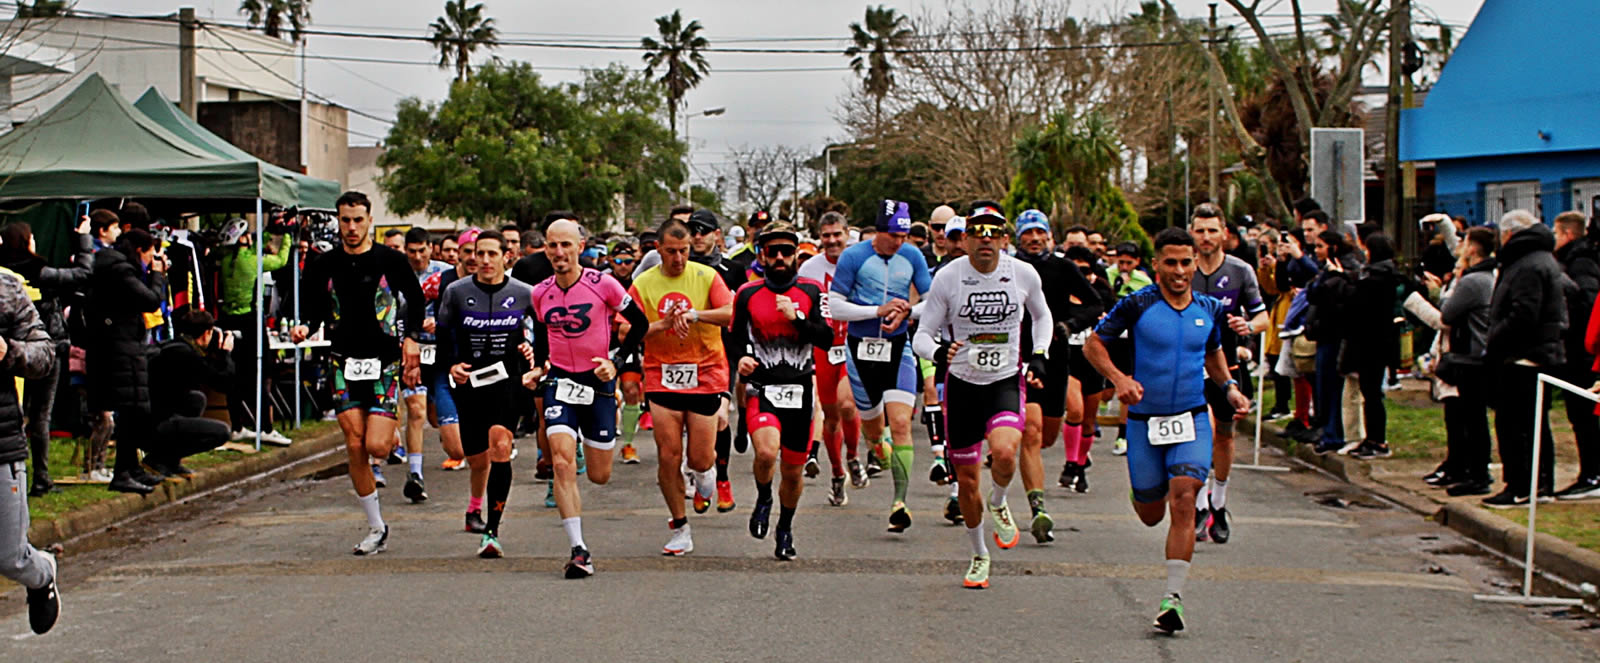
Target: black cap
{"x":919,"y":231}
{"x":703,"y":221}
{"x":758,"y":218}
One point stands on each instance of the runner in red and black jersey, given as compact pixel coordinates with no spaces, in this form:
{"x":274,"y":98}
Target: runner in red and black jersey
{"x":776,"y":323}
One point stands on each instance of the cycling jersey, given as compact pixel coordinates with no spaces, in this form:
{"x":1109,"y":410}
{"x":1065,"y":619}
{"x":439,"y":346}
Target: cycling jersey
{"x":1169,"y":347}
{"x":781,"y":347}
{"x":573,"y":325}
{"x":865,"y":280}
{"x":821,"y":270}
{"x":1234,"y":285}
{"x":984,"y":312}
{"x":696,"y":364}
{"x":485,"y":322}
{"x":356,"y":296}
{"x":430,"y":307}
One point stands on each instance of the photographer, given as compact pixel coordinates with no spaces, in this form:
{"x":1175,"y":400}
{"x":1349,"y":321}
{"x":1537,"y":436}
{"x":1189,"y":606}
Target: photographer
{"x":180,"y":371}
{"x":238,"y":309}
{"x":125,"y":287}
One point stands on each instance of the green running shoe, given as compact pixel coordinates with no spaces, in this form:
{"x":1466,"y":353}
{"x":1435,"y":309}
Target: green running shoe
{"x":977,"y":574}
{"x":1170,"y":618}
{"x":1005,"y":530}
{"x":1043,"y":528}
{"x":550,"y":495}
{"x":489,"y":548}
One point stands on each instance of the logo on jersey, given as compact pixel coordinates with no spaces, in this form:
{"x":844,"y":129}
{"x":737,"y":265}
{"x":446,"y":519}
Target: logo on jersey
{"x":506,"y":303}
{"x":672,"y":301}
{"x":572,"y":320}
{"x":1222,"y":281}
{"x":472,"y":301}
{"x":987,"y":308}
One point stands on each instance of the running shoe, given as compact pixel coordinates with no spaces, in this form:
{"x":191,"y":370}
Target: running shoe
{"x":939,"y":473}
{"x":758,"y":519}
{"x":376,"y":542}
{"x":1120,"y":447}
{"x":1169,"y":618}
{"x":646,"y":422}
{"x":377,"y":476}
{"x":543,"y":472}
{"x":630,"y":456}
{"x":724,"y":496}
{"x":1081,"y":483}
{"x":397,"y":455}
{"x":1582,"y":489}
{"x":836,"y":494}
{"x":580,"y":566}
{"x":1005,"y":530}
{"x":475,"y":523}
{"x":414,"y":490}
{"x":688,"y":480}
{"x":813,"y":468}
{"x":550,"y":495}
{"x":1069,"y":474}
{"x":583,"y":466}
{"x":489,"y":547}
{"x":702,"y":504}
{"x":513,"y":450}
{"x":899,"y":518}
{"x":1220,"y":528}
{"x":1043,"y":528}
{"x":1202,"y":525}
{"x":681,"y":543}
{"x":451,"y":464}
{"x":1371,"y":450}
{"x":858,"y":474}
{"x":44,"y":603}
{"x":952,"y":511}
{"x":977,"y":574}
{"x":874,"y":468}
{"x":784,"y":550}
{"x":276,"y":439}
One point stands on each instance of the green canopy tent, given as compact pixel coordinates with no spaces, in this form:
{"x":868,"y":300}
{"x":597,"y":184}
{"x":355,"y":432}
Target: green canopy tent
{"x":313,"y":192}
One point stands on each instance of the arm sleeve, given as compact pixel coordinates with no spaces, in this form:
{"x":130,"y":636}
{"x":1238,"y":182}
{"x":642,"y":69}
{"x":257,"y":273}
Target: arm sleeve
{"x":29,"y":351}
{"x":73,"y":275}
{"x":272,"y":262}
{"x":638,"y":324}
{"x":1039,"y":310}
{"x":1419,"y":306}
{"x":847,"y":311}
{"x":816,"y":329}
{"x":400,"y":276}
{"x":541,"y":340}
{"x":933,"y":320}
{"x":739,"y":329}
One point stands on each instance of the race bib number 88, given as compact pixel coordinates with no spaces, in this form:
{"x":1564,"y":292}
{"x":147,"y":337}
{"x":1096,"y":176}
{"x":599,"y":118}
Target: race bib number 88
{"x":679,"y":377}
{"x":987,"y":358}
{"x":1171,"y":430}
{"x":361,"y":370}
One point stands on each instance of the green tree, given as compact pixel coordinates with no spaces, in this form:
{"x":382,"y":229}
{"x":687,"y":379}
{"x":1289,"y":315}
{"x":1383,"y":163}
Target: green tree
{"x":1064,"y":170}
{"x":505,"y":146}
{"x":271,"y":15}
{"x":460,"y":33}
{"x":679,"y":56}
{"x":885,"y":32}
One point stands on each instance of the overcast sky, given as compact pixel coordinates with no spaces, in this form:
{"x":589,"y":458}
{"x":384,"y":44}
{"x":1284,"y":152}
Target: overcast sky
{"x":763,"y":107}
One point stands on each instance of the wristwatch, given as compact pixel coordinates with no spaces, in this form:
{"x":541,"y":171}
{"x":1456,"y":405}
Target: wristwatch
{"x":1230,"y":383}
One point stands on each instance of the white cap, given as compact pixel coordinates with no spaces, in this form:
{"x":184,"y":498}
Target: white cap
{"x":955,"y":224}
{"x":736,"y":232}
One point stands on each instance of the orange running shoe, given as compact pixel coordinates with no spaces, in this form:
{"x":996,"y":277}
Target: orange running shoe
{"x":724,"y":496}
{"x":451,"y":465}
{"x":630,"y":456}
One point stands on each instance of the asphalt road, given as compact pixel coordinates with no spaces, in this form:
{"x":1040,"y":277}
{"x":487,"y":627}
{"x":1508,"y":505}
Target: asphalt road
{"x":1315,"y":572}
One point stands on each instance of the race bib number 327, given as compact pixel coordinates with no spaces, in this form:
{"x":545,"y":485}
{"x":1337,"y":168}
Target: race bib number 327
{"x":680,"y":377}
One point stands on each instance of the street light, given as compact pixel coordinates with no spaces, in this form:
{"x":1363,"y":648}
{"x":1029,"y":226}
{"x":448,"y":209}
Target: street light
{"x":688,"y":172}
{"x":827,"y":162}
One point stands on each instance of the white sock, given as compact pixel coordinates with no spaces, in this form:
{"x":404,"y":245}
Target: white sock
{"x":955,"y":489}
{"x":1177,"y":573}
{"x":1219,"y":493}
{"x":997,"y":496}
{"x":574,"y":528}
{"x":416,"y":462}
{"x":1202,"y":498}
{"x":975,"y":536}
{"x":938,"y":450}
{"x":705,"y":483}
{"x":369,"y":505}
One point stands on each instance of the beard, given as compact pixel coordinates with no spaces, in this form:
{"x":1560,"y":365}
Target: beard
{"x":780,"y":273}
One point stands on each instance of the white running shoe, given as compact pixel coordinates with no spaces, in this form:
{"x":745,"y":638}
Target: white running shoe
{"x":275,"y":438}
{"x":681,"y":543}
{"x":101,"y":475}
{"x":376,"y":542}
{"x":241,"y":435}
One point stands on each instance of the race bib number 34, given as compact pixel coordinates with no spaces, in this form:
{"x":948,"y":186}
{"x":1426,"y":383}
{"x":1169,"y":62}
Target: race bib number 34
{"x":361,"y":370}
{"x":785,"y":396}
{"x":1171,"y":430}
{"x":873,"y":349}
{"x":572,"y":393}
{"x":988,"y":358}
{"x":679,"y":377}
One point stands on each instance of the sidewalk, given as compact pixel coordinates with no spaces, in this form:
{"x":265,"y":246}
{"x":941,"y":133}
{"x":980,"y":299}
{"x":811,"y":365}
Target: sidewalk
{"x":1568,"y":542}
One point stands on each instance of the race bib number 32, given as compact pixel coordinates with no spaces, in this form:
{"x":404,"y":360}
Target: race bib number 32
{"x":873,"y":349}
{"x":680,"y":377}
{"x":361,"y":370}
{"x":1171,"y":430}
{"x":786,"y":396}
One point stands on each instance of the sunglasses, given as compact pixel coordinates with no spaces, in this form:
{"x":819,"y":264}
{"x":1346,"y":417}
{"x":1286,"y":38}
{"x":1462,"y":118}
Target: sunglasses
{"x":986,"y":230}
{"x":779,"y":250}
{"x":938,"y":228}
{"x":622,"y":261}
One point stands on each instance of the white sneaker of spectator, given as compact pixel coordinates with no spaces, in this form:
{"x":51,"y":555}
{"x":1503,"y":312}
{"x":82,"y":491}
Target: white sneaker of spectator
{"x":274,"y":438}
{"x":241,"y":435}
{"x":101,"y":475}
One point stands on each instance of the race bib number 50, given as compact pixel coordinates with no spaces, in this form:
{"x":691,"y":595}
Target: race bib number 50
{"x":873,"y":349}
{"x":361,"y":370}
{"x":680,"y":377}
{"x":1171,"y":430}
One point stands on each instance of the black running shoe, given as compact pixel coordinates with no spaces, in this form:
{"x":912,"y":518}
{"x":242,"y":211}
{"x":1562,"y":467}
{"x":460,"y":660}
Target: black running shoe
{"x":414,"y":489}
{"x":874,"y":468}
{"x":1469,"y":487}
{"x":475,"y":523}
{"x":44,"y":603}
{"x":899,"y":518}
{"x":580,"y":566}
{"x":397,"y":456}
{"x":785,"y":548}
{"x":1220,"y":528}
{"x":1202,"y":525}
{"x":952,"y":511}
{"x":1069,"y":474}
{"x":758,"y":519}
{"x":1582,"y":489}
{"x":1082,"y":483}
{"x":939,"y":473}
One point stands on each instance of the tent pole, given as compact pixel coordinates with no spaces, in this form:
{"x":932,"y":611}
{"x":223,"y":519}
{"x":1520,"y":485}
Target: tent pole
{"x":260,"y":321}
{"x":295,"y":256}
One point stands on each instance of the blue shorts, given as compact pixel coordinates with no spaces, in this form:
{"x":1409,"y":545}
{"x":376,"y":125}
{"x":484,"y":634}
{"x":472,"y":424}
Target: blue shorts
{"x":1151,"y":467}
{"x":444,"y":401}
{"x":873,"y":383}
{"x":595,"y":424}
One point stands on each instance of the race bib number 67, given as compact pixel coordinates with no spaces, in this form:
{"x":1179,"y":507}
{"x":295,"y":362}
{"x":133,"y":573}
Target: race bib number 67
{"x":873,"y":349}
{"x":361,"y":370}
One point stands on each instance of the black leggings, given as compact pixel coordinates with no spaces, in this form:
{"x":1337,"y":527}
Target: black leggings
{"x":1372,"y":410}
{"x":1466,"y":422}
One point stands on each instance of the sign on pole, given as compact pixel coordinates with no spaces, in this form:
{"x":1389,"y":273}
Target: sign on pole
{"x":1338,"y":161}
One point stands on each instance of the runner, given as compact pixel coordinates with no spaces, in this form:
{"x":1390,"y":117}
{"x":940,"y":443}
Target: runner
{"x":1177,"y":345}
{"x":416,"y":398}
{"x":779,"y":318}
{"x":1047,"y":405}
{"x":1087,"y":386}
{"x":484,"y":317}
{"x":706,"y":249}
{"x":1233,"y":282}
{"x":441,"y":401}
{"x":841,"y":424}
{"x":871,"y":291}
{"x":354,"y":291}
{"x":630,"y":373}
{"x":572,"y":309}
{"x":685,"y":371}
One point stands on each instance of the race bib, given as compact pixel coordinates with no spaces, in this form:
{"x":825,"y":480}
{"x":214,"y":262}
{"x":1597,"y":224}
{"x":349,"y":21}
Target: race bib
{"x":488,"y":375}
{"x":837,"y":354}
{"x":678,"y":377}
{"x":1080,"y":338}
{"x":786,"y":396}
{"x":428,"y":354}
{"x":1171,"y":430}
{"x":988,"y":357}
{"x":572,"y":393}
{"x":873,"y":349}
{"x":361,"y":370}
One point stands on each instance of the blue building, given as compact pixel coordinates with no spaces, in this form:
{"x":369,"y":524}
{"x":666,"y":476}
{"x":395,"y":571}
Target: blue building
{"x":1514,"y":120}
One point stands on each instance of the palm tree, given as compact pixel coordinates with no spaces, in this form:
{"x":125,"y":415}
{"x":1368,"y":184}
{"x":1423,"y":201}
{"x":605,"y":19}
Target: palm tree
{"x":270,"y":16}
{"x":886,"y":31}
{"x":678,"y":54}
{"x":460,"y":33}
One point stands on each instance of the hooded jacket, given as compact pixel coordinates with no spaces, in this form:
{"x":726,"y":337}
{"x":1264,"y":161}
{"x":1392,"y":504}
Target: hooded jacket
{"x":118,"y":299}
{"x":29,"y":353}
{"x":1581,"y":263}
{"x":1528,"y":311}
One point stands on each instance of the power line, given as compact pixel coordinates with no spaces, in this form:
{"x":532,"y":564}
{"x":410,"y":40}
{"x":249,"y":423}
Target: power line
{"x":281,"y":77}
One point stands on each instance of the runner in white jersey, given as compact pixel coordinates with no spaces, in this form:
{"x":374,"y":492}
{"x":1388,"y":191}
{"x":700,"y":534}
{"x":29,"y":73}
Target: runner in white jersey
{"x":976,"y":305}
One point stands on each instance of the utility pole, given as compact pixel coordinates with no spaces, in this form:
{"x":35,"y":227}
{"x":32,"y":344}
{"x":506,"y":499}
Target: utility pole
{"x":188,"y":92}
{"x":305,"y":112}
{"x":794,"y":211}
{"x":1211,"y":115}
{"x":1393,"y":193}
{"x":1172,"y":158}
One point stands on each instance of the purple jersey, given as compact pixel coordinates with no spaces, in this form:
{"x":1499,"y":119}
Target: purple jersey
{"x":578,"y":320}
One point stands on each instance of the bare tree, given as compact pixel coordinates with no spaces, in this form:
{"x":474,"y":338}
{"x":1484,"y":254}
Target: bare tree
{"x":764,"y":175}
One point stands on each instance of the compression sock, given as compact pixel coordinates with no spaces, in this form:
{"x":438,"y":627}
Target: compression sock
{"x":1219,"y":493}
{"x":574,"y":528}
{"x":1202,"y":497}
{"x":630,"y":422}
{"x":678,"y":522}
{"x":369,"y":505}
{"x":997,"y":496}
{"x":764,"y":492}
{"x":852,"y":436}
{"x":1070,"y":435}
{"x":724,"y":449}
{"x":975,"y":537}
{"x":1086,"y":438}
{"x":933,"y":419}
{"x":474,"y":505}
{"x":955,"y":490}
{"x":499,"y":490}
{"x":834,"y":442}
{"x":785,"y":518}
{"x":1177,"y":573}
{"x":1035,"y":502}
{"x":900,"y":465}
{"x":416,"y":462}
{"x":705,"y":483}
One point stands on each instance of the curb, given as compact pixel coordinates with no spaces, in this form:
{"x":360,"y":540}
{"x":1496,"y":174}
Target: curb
{"x":1552,"y":555}
{"x":103,"y":514}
